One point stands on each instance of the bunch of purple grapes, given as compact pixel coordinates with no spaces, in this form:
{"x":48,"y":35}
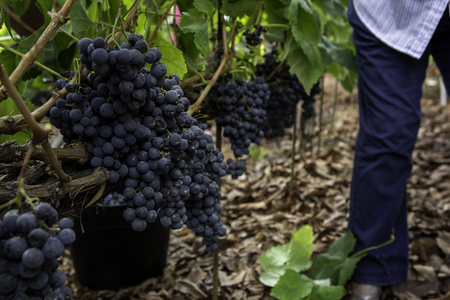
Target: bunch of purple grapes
{"x":285,"y":93}
{"x":241,"y":112}
{"x":134,"y":120}
{"x":30,"y":245}
{"x":253,"y":38}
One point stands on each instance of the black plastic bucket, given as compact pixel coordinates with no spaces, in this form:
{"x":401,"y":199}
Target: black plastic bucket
{"x":109,"y":254}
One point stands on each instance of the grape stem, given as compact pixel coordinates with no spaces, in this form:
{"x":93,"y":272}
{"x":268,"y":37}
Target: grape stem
{"x":69,"y":34}
{"x":126,"y":22}
{"x":196,"y":72}
{"x":35,"y":62}
{"x":195,"y":78}
{"x":58,"y":19}
{"x":161,"y":19}
{"x":40,"y":136}
{"x":205,"y":92}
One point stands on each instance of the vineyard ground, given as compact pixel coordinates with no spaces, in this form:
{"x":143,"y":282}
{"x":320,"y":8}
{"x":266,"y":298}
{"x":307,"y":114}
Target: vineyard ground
{"x":258,"y":215}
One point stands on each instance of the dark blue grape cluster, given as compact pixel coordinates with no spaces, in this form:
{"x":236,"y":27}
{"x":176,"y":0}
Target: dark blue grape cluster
{"x":308,"y":110}
{"x":285,"y":93}
{"x":253,"y":38}
{"x":241,"y":112}
{"x":30,"y":244}
{"x":134,"y":120}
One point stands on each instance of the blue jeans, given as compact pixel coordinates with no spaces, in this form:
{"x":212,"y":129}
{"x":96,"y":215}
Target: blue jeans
{"x":389,"y":94}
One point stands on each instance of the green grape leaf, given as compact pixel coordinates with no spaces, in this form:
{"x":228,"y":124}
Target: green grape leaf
{"x":301,"y":66}
{"x":277,"y":13}
{"x":62,"y":41}
{"x":65,"y":57}
{"x":45,"y":6}
{"x":271,"y":277}
{"x":205,"y":6}
{"x":18,"y":7}
{"x":336,"y":263}
{"x":305,"y":29}
{"x":9,"y":60}
{"x":194,"y":21}
{"x":327,"y":292}
{"x":339,"y":30}
{"x":301,"y":248}
{"x":276,"y":256}
{"x":346,"y":271}
{"x":172,"y":57}
{"x":343,"y":245}
{"x":292,"y":285}
{"x":80,"y":20}
{"x":349,"y":81}
{"x":333,"y":52}
{"x":334,"y":7}
{"x":292,"y":256}
{"x":185,"y":5}
{"x":240,"y":8}
{"x":8,"y":107}
{"x":21,"y":137}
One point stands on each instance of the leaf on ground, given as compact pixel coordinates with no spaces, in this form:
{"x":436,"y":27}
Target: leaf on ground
{"x":301,"y":248}
{"x":292,"y":285}
{"x":327,"y":292}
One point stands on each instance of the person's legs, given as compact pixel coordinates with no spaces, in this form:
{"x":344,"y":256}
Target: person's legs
{"x":389,"y":93}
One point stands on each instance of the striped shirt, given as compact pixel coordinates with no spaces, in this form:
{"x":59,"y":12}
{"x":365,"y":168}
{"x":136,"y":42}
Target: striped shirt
{"x":405,"y":25}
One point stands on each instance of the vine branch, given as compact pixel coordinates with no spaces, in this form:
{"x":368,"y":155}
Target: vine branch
{"x":126,"y":22}
{"x":40,"y":136}
{"x":205,"y":92}
{"x":163,"y":16}
{"x":58,"y":19}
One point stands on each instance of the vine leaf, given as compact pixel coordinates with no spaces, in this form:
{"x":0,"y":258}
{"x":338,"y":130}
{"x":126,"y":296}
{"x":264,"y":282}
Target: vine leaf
{"x":335,"y":7}
{"x":240,"y":8}
{"x":293,"y":256}
{"x":336,"y":263}
{"x":292,"y":285}
{"x":172,"y":57}
{"x":80,"y":20}
{"x":19,"y":7}
{"x":333,"y":52}
{"x":305,"y":29}
{"x":194,"y":21}
{"x":9,"y":59}
{"x":329,"y":292}
{"x":204,"y":6}
{"x":278,"y":14}
{"x":301,"y":66}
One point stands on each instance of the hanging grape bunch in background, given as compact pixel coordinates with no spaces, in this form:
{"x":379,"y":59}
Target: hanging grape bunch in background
{"x":253,"y":38}
{"x":241,"y":112}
